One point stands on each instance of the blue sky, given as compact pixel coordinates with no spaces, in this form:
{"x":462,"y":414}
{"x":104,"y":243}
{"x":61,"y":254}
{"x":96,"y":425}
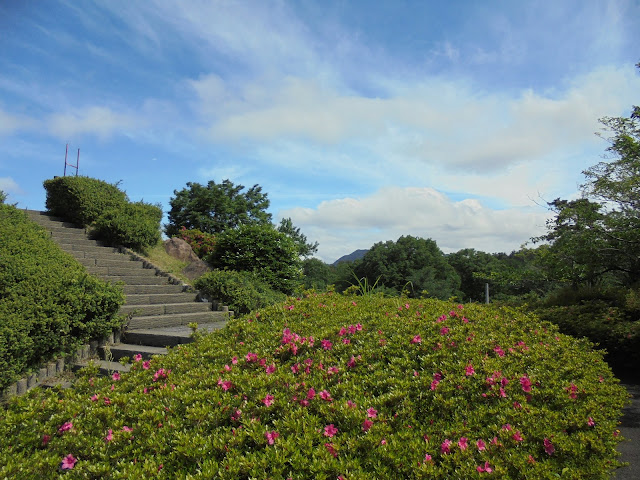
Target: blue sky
{"x":362,"y":121}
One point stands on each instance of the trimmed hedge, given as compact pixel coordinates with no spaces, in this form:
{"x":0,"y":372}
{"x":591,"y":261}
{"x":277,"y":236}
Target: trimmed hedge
{"x":244,"y":292}
{"x":49,"y":305}
{"x":81,"y":200}
{"x":134,"y":225}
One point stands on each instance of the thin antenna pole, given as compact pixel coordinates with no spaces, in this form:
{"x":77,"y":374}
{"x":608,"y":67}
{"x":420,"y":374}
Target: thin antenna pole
{"x":66,"y":151}
{"x":78,"y":162}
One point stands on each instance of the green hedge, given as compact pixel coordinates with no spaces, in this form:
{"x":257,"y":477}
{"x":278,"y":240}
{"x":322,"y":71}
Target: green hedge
{"x":81,"y":200}
{"x":243,"y":292}
{"x":134,"y":225}
{"x":48,"y":303}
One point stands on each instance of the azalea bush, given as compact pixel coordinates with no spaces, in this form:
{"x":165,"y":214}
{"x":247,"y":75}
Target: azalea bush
{"x":335,"y":387}
{"x":201,"y":243}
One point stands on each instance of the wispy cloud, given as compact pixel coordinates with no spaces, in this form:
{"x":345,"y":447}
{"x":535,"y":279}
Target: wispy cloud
{"x":97,"y":120}
{"x":10,"y":123}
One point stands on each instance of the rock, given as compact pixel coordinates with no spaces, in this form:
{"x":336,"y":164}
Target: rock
{"x":178,"y":248}
{"x":195,"y":269}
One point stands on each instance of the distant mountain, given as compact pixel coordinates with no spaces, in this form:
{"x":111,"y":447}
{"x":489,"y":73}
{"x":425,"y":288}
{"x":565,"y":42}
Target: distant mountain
{"x":357,"y":255}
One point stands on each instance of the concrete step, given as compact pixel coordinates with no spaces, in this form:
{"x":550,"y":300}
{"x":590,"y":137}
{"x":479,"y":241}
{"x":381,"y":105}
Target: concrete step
{"x":132,"y":270}
{"x":119,"y":350}
{"x":136,"y":279}
{"x":104,"y":367}
{"x":158,"y":298}
{"x":152,"y":289}
{"x":168,"y":336}
{"x":165,"y":309}
{"x":175,"y":320}
{"x":69,"y":247}
{"x":108,"y":253}
{"x":124,"y":262}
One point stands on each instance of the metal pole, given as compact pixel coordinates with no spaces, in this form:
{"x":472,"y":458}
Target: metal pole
{"x":78,"y":162}
{"x":65,"y":159}
{"x":486,"y":293}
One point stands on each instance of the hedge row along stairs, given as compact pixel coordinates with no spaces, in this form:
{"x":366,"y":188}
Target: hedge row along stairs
{"x":159,"y":307}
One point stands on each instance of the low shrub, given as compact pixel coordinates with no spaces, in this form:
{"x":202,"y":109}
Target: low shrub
{"x":243,"y":292}
{"x":49,"y":305}
{"x":135,"y":225}
{"x":201,"y":243}
{"x":332,"y":386}
{"x":81,"y":200}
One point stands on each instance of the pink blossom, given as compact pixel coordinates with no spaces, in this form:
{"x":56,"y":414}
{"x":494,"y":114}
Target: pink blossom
{"x":548,"y":446}
{"x":499,"y":351}
{"x":462,"y":443}
{"x":352,"y":362}
{"x":445,"y":448}
{"x":346,"y":341}
{"x":270,"y":369}
{"x":372,"y":412}
{"x":115,"y":376}
{"x":234,"y":360}
{"x":109,"y":436}
{"x":383,"y":441}
{"x":506,"y":427}
{"x":45,"y":439}
{"x":573,"y":391}
{"x":351,"y":404}
{"x":330,"y":430}
{"x":416,"y":339}
{"x":590,"y":422}
{"x":146,"y":364}
{"x":484,"y":469}
{"x":342,"y":332}
{"x":469,"y":370}
{"x":161,"y":373}
{"x":326,"y":344}
{"x":517,"y":436}
{"x":325,"y":395}
{"x":271,"y":436}
{"x":481,"y":445}
{"x":526,"y":384}
{"x":127,"y":429}
{"x":137,"y":357}
{"x":268,"y":400}
{"x":366,"y":425}
{"x":68,"y":462}
{"x":434,"y":384}
{"x":311,"y":393}
{"x":427,"y":458}
{"x":251,"y":357}
{"x":444,"y":330}
{"x":225,"y":384}
{"x":289,"y":307}
{"x":295,"y":368}
{"x":359,"y":327}
{"x":65,"y":426}
{"x":94,"y":398}
{"x":330,"y":448}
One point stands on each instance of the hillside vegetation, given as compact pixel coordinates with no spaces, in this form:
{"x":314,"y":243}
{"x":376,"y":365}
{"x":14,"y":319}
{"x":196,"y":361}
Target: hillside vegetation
{"x":331,"y":386}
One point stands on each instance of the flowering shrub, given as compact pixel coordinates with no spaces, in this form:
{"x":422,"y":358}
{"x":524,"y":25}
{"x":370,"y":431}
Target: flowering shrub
{"x":333,"y":386}
{"x":201,"y":243}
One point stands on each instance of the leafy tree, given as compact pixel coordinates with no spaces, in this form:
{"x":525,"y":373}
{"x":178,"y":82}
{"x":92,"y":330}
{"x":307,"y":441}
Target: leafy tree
{"x":215,"y":208}
{"x":3,"y":196}
{"x":317,"y":274}
{"x":272,"y":255}
{"x":475,"y":269}
{"x":305,"y":249}
{"x":410,"y":263}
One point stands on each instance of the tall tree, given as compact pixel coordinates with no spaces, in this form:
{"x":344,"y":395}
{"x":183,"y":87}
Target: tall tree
{"x":305,"y":248}
{"x":215,"y":208}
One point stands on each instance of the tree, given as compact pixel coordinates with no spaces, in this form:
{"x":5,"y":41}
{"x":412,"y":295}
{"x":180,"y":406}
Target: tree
{"x":272,"y":255}
{"x":317,"y":274}
{"x":411,"y":263}
{"x":215,"y":208}
{"x":304,"y":249}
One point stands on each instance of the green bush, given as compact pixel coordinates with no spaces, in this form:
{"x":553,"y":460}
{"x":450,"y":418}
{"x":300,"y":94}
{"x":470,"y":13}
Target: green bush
{"x":272,"y":255}
{"x":81,"y":200}
{"x":48,"y":303}
{"x":332,"y":386}
{"x":134,"y":225}
{"x":201,"y":243}
{"x":243,"y":292}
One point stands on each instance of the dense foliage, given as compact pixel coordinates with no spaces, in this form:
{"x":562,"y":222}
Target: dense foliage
{"x":333,"y":387}
{"x":305,"y":248}
{"x":49,"y":305}
{"x":243,"y":292}
{"x":135,"y":225}
{"x":81,"y":200}
{"x":261,"y":249}
{"x":201,"y":243}
{"x":216,"y":207}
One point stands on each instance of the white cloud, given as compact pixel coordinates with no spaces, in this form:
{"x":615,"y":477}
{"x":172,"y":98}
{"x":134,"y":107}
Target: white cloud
{"x":344,"y":225}
{"x":10,"y":123}
{"x":9,"y":185}
{"x":100,"y":121}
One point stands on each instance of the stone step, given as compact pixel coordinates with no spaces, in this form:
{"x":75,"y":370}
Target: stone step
{"x":157,"y":298}
{"x":107,"y":254}
{"x":136,"y":279}
{"x":176,"y":320}
{"x":165,"y":309}
{"x":168,"y":336}
{"x":132,"y":270}
{"x":152,"y":289}
{"x":124,"y":262}
{"x":119,"y":350}
{"x":69,"y":247}
{"x":104,"y":367}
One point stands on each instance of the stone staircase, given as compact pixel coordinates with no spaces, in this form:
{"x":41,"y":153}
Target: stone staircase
{"x":159,"y":306}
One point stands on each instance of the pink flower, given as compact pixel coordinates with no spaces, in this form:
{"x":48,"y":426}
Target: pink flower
{"x":234,"y":360}
{"x":366,"y":425}
{"x":469,"y":370}
{"x":68,"y":462}
{"x":109,"y":436}
{"x":65,"y":426}
{"x":289,"y":307}
{"x":45,"y":439}
{"x":271,"y":436}
{"x":351,"y":404}
{"x":137,"y":357}
{"x":444,"y":330}
{"x":499,"y":351}
{"x":268,"y":400}
{"x":383,"y":441}
{"x":330,"y":448}
{"x":526,"y":384}
{"x":325,"y":395}
{"x":311,"y":393}
{"x":372,"y":412}
{"x":146,"y":364}
{"x":590,"y":422}
{"x":481,"y":445}
{"x":225,"y":384}
{"x":517,"y":436}
{"x":115,"y":376}
{"x":352,"y":362}
{"x":295,"y":368}
{"x":251,"y":357}
{"x":326,"y":344}
{"x":127,"y":429}
{"x":462,"y":443}
{"x":445,"y":448}
{"x":572,"y":391}
{"x":270,"y":369}
{"x":548,"y":446}
{"x":94,"y":398}
{"x":330,"y":430}
{"x":160,"y":373}
{"x":416,"y":339}
{"x":427,"y":458}
{"x":346,"y":341}
{"x":484,"y":469}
